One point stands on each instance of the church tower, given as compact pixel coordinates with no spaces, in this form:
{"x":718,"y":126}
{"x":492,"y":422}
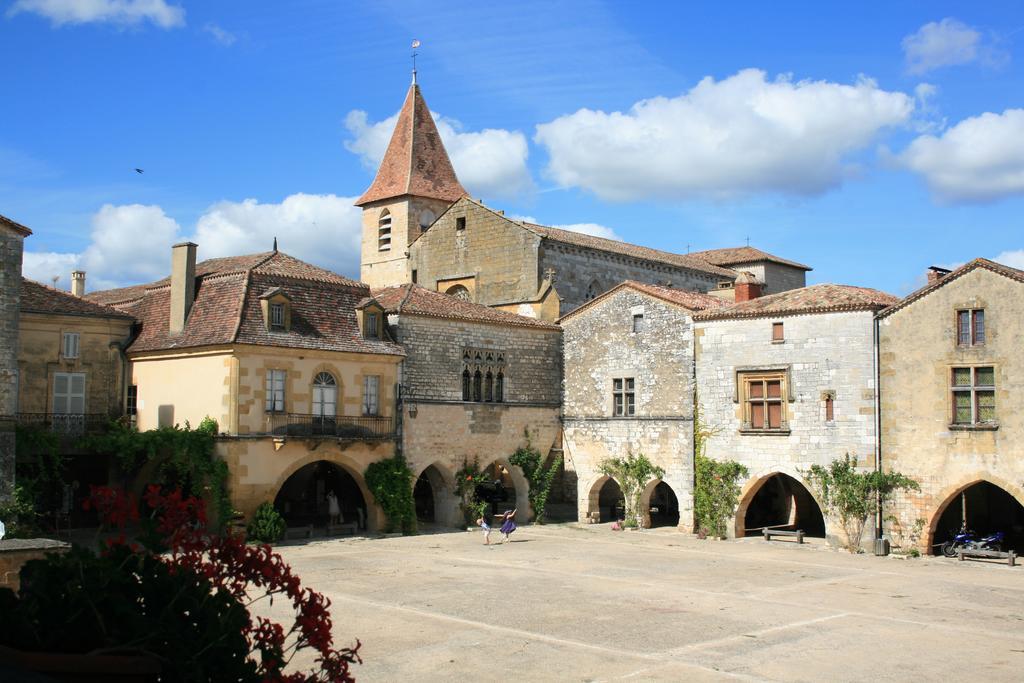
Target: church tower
{"x":414,"y":185}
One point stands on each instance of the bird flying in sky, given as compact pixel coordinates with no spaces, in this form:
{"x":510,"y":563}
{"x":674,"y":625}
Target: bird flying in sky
{"x":139,"y":171}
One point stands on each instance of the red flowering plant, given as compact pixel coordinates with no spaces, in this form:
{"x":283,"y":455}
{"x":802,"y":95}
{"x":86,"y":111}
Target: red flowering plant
{"x":182,"y":596}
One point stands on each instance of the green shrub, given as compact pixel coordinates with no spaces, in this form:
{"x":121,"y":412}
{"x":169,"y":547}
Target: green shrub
{"x":390,"y":481}
{"x":716,"y":492}
{"x":531,"y":462}
{"x":632,"y":474}
{"x":267,"y":525}
{"x":467,"y":479}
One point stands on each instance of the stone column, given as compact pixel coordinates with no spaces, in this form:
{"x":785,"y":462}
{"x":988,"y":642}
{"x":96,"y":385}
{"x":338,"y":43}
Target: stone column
{"x":12,"y":237}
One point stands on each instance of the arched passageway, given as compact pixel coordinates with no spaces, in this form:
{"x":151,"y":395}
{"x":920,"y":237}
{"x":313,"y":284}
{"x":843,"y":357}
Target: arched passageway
{"x":433,"y":497}
{"x":302,"y":498}
{"x":985,"y":508}
{"x":499,"y":489}
{"x":781,"y":502}
{"x":664,"y":506}
{"x":610,"y":501}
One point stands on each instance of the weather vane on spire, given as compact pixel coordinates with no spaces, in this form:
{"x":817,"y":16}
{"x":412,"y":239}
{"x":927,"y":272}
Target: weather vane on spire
{"x":415,"y":45}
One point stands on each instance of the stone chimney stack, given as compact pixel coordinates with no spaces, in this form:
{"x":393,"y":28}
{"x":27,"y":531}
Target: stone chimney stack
{"x":747,"y":287}
{"x":78,"y":282}
{"x":937,"y":273}
{"x":183,"y":284}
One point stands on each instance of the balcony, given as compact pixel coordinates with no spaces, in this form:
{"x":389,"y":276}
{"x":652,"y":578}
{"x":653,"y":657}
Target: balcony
{"x":66,"y":424}
{"x":339,"y":427}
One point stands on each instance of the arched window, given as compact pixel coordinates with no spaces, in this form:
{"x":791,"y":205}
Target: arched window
{"x":489,"y":386}
{"x":499,"y":388}
{"x":427,"y":219}
{"x":466,"y":385}
{"x":384,"y":231}
{"x":477,"y":381}
{"x":594,"y":290}
{"x":459,"y":292}
{"x":325,"y":396}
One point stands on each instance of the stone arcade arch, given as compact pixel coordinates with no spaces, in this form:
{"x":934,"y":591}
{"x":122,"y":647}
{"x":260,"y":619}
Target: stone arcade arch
{"x":302,"y":498}
{"x":778,"y":500}
{"x":372,"y":510}
{"x":660,"y":505}
{"x":434,"y":494}
{"x":605,"y":498}
{"x":989,"y":507}
{"x":515,"y":485}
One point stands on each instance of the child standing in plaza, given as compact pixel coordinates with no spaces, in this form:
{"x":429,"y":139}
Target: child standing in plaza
{"x":482,"y":523}
{"x":508,"y":526}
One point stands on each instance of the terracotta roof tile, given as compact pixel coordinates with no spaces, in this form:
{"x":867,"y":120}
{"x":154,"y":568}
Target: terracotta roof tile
{"x":39,"y":298}
{"x":737,"y":255}
{"x":1006,"y":271}
{"x":824,"y":298}
{"x":15,"y":226}
{"x":416,"y":300}
{"x":691,"y":301}
{"x":227,"y":307}
{"x":415,"y":162}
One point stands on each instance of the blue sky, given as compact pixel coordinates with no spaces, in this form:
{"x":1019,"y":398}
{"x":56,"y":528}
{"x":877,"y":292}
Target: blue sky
{"x":867,"y":141}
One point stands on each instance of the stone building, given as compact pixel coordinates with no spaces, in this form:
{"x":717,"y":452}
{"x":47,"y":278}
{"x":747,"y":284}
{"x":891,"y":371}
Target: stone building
{"x":474,"y":381}
{"x":272,"y":348}
{"x":787,"y":380}
{"x":952,"y":374}
{"x":629,"y":388}
{"x":419,"y":226}
{"x":12,"y":238}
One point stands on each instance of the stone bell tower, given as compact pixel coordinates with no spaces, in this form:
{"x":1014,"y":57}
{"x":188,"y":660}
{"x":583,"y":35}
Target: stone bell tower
{"x":414,"y":185}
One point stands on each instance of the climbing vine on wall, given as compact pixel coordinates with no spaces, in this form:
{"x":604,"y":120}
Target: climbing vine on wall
{"x":632,"y":474}
{"x":716,"y":489}
{"x":531,"y":462}
{"x":391,"y":481}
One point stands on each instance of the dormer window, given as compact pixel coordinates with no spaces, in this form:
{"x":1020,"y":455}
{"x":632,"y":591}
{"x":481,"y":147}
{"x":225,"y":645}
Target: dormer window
{"x":371,"y":326}
{"x":277,"y":310}
{"x":384,"y":231}
{"x":371,"y":321}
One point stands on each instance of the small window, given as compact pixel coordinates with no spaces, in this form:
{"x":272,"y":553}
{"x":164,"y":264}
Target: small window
{"x":970,"y":327}
{"x":384,"y":231}
{"x":277,"y":316}
{"x":830,"y":414}
{"x":638,"y":322}
{"x":70,"y":345}
{"x":763,"y":404}
{"x":371,"y":326}
{"x":275,"y":391}
{"x":371,"y":395}
{"x":459,"y":292}
{"x":974,"y":395}
{"x":778,"y":332}
{"x":132,"y":405}
{"x":460,"y":223}
{"x":414,"y":278}
{"x":623,"y":397}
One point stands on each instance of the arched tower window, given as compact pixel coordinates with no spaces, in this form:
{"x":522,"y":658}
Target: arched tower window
{"x":459,"y":292}
{"x":593,"y":290}
{"x":488,"y":386}
{"x":499,"y":388}
{"x":467,"y":392}
{"x":325,"y":395}
{"x":477,"y":388}
{"x":384,"y":231}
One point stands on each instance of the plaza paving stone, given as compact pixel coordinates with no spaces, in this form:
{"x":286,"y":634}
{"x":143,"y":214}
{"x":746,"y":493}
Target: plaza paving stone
{"x":572,"y":603}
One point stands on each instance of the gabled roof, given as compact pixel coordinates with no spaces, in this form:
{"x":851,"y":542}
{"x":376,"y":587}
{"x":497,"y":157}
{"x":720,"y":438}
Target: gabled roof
{"x":824,"y":298}
{"x":415,"y":162}
{"x":410,"y":299}
{"x":16,"y":227}
{"x":40,"y":298}
{"x":1006,"y":271}
{"x":734,"y":256}
{"x":227,"y":307}
{"x":691,"y":301}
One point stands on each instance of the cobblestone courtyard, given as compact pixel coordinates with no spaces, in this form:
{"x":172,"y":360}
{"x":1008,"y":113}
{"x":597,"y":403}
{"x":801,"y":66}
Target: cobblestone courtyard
{"x":587,"y":604}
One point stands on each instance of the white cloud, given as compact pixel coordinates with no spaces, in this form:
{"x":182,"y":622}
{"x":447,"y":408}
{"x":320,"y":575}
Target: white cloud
{"x":489,"y":163}
{"x":1014,"y":259}
{"x":594,"y":229}
{"x":131,"y":244}
{"x":737,"y":136}
{"x":225,"y":38}
{"x":979,"y":159}
{"x":123,"y":12}
{"x":947,"y":43}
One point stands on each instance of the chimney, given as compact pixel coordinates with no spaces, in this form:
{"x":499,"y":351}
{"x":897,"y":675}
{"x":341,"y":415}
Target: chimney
{"x":78,"y":282}
{"x":746,"y":288}
{"x":183,"y":284}
{"x":937,"y":273}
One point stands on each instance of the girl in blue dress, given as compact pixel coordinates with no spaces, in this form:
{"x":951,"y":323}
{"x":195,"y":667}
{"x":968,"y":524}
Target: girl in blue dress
{"x":508,"y":525}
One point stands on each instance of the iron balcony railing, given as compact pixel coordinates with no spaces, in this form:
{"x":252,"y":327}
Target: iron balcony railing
{"x":337,"y":427}
{"x":66,"y":424}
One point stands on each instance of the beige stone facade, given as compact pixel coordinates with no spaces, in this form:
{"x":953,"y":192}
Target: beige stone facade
{"x":922,"y":362}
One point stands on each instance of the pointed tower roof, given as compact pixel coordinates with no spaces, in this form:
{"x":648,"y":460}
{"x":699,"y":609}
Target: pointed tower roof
{"x":416,"y":162}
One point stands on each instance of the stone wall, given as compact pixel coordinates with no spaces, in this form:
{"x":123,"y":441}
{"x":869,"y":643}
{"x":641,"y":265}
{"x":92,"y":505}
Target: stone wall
{"x":821,"y":353}
{"x":391,"y":267}
{"x":600,"y":345}
{"x":918,"y":349}
{"x":434,"y":362}
{"x":15,"y":552}
{"x":576,"y":268}
{"x":11,"y":245}
{"x":776,"y":277}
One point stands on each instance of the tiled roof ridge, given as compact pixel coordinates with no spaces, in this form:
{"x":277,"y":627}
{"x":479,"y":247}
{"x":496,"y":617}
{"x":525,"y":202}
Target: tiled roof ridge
{"x":871,"y":300}
{"x":729,"y":256}
{"x":973,"y":264}
{"x":90,"y":308}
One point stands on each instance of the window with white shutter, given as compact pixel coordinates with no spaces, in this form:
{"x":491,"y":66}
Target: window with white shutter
{"x":70,"y":349}
{"x":69,"y":393}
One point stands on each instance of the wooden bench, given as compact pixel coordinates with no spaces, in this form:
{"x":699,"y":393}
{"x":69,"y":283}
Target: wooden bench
{"x":1010,"y":557}
{"x":298,"y":532}
{"x":798,"y":534}
{"x":343,"y":528}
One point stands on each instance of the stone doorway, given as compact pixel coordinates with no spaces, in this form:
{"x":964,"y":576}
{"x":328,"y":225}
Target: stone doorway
{"x":986,"y":508}
{"x":610,"y":501}
{"x":432,"y":497}
{"x":779,"y":502}
{"x":302,"y":499}
{"x":663,"y":506}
